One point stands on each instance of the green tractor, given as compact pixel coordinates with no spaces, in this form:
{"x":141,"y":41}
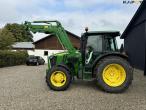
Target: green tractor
{"x":98,"y":59}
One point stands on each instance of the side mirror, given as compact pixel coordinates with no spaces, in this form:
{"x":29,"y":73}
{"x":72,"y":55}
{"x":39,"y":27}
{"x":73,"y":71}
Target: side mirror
{"x":122,"y":48}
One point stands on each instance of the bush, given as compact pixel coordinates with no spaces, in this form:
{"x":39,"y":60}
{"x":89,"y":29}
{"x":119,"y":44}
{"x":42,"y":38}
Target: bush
{"x":12,"y":58}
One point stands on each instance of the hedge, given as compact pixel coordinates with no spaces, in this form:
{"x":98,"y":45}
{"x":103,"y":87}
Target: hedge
{"x":12,"y":58}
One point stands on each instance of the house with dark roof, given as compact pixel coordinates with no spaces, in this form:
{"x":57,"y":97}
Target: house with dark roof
{"x":135,"y":38}
{"x":50,"y":45}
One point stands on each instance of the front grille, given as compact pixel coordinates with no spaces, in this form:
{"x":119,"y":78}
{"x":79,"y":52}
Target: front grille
{"x":53,"y":60}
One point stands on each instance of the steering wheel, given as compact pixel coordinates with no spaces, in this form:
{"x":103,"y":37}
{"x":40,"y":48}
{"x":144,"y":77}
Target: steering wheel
{"x":89,"y":49}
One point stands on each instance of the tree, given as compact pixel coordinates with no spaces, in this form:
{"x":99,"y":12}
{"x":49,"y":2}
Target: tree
{"x":6,"y":39}
{"x":19,"y":32}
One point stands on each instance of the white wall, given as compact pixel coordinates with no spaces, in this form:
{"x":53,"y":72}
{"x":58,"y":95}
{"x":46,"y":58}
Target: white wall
{"x":39,"y":52}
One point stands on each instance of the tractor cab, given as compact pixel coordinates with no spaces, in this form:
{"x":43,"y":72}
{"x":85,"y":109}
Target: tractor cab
{"x":96,"y":43}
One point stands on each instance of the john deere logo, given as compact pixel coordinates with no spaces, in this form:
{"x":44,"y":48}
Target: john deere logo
{"x":132,"y":1}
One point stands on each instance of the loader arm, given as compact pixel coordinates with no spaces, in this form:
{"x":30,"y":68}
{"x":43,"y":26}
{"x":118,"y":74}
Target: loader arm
{"x":52,"y":27}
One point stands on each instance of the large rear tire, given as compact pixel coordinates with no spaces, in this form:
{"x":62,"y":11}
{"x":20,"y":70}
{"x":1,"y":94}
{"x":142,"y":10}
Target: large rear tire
{"x":114,"y":74}
{"x":58,"y":78}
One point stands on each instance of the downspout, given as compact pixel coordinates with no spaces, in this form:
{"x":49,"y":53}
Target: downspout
{"x":145,"y":51}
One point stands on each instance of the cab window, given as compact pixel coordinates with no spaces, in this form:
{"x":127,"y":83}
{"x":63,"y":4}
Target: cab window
{"x":110,"y":44}
{"x":95,"y":42}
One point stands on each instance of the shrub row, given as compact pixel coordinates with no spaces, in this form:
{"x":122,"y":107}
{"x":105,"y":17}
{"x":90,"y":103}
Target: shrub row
{"x":12,"y":58}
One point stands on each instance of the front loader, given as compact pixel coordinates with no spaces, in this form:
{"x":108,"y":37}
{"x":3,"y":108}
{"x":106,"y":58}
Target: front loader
{"x":98,"y":59}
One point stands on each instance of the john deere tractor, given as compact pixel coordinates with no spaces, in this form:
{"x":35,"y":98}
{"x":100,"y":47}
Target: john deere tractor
{"x":98,"y":59}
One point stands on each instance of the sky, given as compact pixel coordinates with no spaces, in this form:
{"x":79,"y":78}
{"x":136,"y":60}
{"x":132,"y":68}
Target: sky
{"x":74,"y":15}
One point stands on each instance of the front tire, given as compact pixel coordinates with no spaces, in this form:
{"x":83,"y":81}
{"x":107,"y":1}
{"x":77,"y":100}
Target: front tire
{"x":58,"y":78}
{"x":114,"y":74}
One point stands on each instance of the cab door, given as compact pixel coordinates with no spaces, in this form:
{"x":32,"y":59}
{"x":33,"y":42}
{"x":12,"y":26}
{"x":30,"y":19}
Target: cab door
{"x":94,"y":48}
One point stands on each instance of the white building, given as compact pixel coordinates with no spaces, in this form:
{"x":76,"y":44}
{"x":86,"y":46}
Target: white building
{"x":46,"y":46}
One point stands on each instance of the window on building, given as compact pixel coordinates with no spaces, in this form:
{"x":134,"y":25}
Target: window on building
{"x":45,"y":53}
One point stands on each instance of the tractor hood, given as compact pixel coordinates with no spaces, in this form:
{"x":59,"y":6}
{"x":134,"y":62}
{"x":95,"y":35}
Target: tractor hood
{"x":60,"y":53}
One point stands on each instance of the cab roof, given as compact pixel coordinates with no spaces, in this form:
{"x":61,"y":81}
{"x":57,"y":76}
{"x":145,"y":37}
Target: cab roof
{"x":112,"y":33}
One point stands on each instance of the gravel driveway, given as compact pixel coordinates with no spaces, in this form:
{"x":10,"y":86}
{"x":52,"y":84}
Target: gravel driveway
{"x":24,"y":88}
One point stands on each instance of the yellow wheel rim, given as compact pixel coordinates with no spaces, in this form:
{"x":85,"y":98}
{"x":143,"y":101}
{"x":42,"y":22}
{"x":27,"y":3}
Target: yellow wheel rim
{"x":58,"y":78}
{"x":114,"y":75}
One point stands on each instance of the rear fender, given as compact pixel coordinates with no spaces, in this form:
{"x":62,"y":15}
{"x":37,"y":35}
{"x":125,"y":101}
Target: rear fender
{"x":108,"y":55}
